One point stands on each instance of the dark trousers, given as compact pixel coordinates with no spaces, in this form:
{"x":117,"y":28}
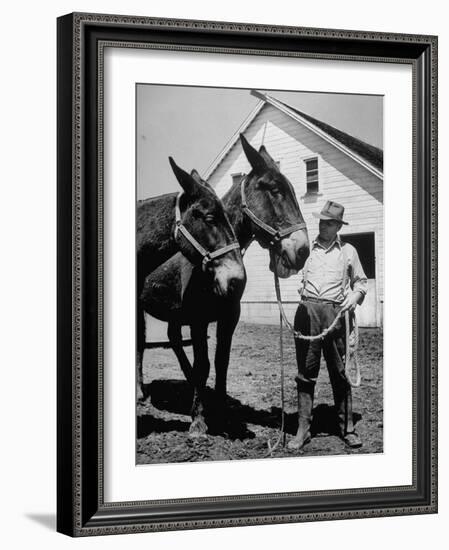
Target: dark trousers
{"x":311,"y":318}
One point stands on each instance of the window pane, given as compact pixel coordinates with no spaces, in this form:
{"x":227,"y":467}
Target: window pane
{"x":312,"y":164}
{"x":312,"y":187}
{"x":312,"y":175}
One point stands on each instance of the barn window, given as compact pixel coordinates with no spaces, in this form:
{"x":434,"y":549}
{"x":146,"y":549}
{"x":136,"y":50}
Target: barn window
{"x":312,"y":175}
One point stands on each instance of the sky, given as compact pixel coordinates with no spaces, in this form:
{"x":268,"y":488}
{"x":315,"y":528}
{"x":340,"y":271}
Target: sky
{"x":193,"y":124}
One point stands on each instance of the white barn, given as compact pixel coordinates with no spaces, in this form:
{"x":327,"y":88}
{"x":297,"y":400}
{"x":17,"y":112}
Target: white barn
{"x":323,"y":163}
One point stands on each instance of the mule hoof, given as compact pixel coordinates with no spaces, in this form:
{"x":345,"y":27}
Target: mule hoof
{"x":198,"y":428}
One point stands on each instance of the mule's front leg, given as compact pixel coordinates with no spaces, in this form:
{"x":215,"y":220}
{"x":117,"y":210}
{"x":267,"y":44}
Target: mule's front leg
{"x":201,"y":367}
{"x":225,"y":331}
{"x":174,"y":334}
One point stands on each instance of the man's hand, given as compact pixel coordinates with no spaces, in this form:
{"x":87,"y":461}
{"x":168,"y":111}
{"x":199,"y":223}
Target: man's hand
{"x":351,"y":300}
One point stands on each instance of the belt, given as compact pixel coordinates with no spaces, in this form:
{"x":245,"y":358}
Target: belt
{"x":319,"y":300}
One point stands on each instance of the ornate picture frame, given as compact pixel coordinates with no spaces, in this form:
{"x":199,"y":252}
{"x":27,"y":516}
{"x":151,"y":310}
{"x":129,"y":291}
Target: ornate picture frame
{"x":81,"y":508}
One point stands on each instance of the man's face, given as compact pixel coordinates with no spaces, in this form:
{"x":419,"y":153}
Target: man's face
{"x":329,"y":229}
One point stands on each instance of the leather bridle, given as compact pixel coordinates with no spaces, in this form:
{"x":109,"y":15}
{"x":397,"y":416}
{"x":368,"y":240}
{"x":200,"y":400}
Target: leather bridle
{"x":274,"y":235}
{"x":206,"y":255}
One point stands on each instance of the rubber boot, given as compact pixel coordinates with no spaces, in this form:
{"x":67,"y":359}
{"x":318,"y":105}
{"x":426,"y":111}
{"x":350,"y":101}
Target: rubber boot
{"x":305,"y":404}
{"x":345,"y":420}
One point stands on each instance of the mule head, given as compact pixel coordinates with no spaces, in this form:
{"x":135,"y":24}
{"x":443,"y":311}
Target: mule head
{"x":203,"y":216}
{"x":271,"y":197}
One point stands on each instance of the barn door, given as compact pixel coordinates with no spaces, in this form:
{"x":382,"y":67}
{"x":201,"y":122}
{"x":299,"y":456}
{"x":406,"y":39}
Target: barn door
{"x":364,"y":244}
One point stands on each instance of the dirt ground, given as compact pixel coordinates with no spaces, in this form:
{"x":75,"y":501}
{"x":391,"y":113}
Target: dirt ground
{"x":254,"y":399}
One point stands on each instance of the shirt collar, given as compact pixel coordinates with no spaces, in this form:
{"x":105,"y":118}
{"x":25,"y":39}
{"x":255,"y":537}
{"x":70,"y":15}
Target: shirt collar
{"x":336,"y":242}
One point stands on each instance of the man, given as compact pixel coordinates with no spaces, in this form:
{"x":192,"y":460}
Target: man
{"x":333,"y":281}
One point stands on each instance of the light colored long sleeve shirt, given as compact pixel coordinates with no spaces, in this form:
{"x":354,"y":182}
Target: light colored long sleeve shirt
{"x":327,"y":269}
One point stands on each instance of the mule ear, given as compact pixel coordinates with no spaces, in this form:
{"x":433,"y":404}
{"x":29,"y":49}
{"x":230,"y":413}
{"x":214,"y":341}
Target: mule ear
{"x":256,"y":160}
{"x":267,"y":157}
{"x":200,"y":180}
{"x":189,"y":185}
{"x":196,"y":177}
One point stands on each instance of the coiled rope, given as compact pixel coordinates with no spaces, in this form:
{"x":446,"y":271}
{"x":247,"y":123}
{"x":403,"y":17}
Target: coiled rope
{"x":351,"y":356}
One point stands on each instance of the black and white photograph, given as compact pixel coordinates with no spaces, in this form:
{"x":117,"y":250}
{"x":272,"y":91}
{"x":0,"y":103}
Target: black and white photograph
{"x":260,"y":274}
{"x":247,"y":315}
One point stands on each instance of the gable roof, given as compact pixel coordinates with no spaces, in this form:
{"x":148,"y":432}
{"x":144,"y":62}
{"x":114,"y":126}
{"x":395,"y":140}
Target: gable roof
{"x":370,"y":153}
{"x":367,"y":155}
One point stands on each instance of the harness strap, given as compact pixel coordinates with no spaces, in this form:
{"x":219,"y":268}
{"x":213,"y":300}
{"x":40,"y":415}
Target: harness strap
{"x":220,"y":252}
{"x":207,"y":256}
{"x":275,"y":234}
{"x":177,"y":213}
{"x":180,"y":229}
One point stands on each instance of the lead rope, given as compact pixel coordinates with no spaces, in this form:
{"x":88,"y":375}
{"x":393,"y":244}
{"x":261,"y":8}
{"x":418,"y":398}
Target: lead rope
{"x":282,"y":434}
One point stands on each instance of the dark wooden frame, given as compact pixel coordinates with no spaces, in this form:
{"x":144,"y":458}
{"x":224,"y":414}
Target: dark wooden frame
{"x":81,"y":509}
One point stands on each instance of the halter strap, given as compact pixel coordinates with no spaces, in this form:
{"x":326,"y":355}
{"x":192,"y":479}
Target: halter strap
{"x":207,"y":256}
{"x":275,"y":234}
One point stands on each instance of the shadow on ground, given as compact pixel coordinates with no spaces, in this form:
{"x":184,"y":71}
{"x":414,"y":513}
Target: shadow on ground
{"x":175,"y":396}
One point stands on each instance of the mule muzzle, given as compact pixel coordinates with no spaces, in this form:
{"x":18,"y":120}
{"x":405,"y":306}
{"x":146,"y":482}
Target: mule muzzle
{"x":291,"y":254}
{"x":229,"y":279}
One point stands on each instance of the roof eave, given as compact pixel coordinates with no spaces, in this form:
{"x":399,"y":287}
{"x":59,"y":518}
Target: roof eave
{"x":279,"y":105}
{"x":264,"y":99}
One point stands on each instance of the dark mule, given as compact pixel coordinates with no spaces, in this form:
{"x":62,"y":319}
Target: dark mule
{"x":200,"y":211}
{"x":263,"y":207}
{"x":194,"y":223}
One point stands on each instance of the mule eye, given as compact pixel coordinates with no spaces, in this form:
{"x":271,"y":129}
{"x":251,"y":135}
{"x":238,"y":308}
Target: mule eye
{"x":210,"y":218}
{"x":275,"y":191}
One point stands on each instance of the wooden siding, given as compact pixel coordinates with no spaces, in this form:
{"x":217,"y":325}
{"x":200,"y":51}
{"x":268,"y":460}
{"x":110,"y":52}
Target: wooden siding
{"x":341,"y":179}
